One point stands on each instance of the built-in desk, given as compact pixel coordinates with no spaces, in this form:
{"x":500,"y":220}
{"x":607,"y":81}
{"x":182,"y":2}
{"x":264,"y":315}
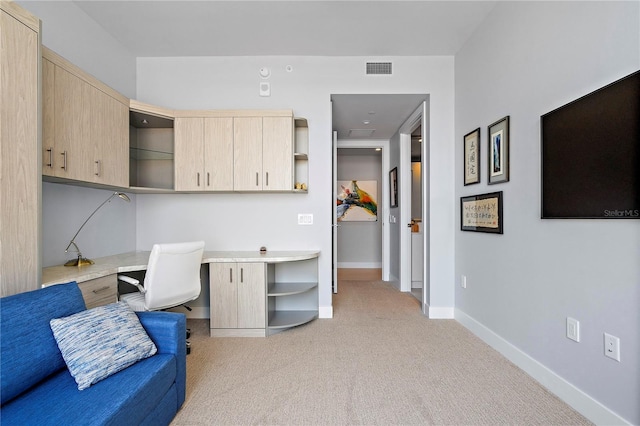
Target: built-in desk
{"x":282,"y":293}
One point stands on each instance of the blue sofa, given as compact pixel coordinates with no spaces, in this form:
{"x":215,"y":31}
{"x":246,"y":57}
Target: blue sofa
{"x":37,"y":388}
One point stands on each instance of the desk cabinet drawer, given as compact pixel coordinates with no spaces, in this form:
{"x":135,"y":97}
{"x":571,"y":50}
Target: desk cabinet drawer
{"x":100,"y":291}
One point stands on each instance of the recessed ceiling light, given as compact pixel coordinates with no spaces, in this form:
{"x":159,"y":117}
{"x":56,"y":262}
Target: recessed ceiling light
{"x":366,"y":122}
{"x":378,"y":149}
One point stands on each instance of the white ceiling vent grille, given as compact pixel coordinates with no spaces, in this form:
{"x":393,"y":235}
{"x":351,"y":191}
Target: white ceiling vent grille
{"x":378,"y":68}
{"x":361,"y":133}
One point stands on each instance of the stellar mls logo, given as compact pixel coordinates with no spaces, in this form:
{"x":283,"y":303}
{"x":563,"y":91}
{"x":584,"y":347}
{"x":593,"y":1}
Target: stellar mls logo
{"x":622,"y":213}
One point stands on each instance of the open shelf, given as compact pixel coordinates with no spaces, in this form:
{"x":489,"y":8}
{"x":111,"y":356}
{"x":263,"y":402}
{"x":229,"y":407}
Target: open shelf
{"x":149,"y":154}
{"x":151,"y":142}
{"x":292,"y":294}
{"x":301,"y":154}
{"x":289,"y":289}
{"x":287,"y":319}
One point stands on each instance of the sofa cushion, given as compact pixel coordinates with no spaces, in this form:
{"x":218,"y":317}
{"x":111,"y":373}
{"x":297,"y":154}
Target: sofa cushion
{"x":28,"y":351}
{"x":125,"y":398}
{"x":101,"y":341}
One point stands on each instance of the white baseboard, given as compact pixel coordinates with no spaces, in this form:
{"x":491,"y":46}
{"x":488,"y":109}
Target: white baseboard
{"x":580,"y":401}
{"x":440,"y":312}
{"x":325,"y":312}
{"x":360,"y":265}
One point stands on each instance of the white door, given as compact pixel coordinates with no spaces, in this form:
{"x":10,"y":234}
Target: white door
{"x":334,"y":216}
{"x":418,"y":118}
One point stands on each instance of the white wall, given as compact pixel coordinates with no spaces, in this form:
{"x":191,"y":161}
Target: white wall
{"x":526,"y":59}
{"x":66,"y":207}
{"x":69,"y":32}
{"x":247,"y":221}
{"x":360,"y":243}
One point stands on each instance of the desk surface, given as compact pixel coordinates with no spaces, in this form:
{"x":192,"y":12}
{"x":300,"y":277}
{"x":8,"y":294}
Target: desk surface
{"x":137,"y":261}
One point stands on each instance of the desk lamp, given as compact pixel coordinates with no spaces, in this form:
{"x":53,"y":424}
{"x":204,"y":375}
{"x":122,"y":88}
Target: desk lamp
{"x":82,"y":261}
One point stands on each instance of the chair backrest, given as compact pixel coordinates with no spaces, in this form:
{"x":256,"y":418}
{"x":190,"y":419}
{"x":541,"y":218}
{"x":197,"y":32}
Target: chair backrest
{"x":173,"y":274}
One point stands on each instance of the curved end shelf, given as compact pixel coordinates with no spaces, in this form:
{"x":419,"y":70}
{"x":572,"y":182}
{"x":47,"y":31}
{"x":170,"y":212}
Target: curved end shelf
{"x":288,"y":319}
{"x":289,"y":289}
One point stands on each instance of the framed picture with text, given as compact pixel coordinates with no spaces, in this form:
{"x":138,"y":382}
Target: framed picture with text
{"x":472,"y":157}
{"x":498,"y":141}
{"x":482,"y":213}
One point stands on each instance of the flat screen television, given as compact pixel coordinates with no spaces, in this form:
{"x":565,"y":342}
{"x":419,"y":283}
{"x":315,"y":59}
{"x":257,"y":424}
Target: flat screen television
{"x":591,"y":155}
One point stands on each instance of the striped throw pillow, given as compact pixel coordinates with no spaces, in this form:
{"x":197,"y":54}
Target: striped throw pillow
{"x":99,"y":342}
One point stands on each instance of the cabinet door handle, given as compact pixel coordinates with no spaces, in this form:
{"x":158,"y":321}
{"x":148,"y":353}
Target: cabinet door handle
{"x":99,"y":290}
{"x":98,"y":168}
{"x":241,"y":275}
{"x":267,"y":179}
{"x":50,"y":163}
{"x":64,"y":160}
{"x":230,"y":275}
{"x":256,"y":178}
{"x":198,"y":179}
{"x":208,"y":179}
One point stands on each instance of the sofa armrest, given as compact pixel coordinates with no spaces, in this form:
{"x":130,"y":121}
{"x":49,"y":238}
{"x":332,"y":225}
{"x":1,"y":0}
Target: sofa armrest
{"x":168,"y":331}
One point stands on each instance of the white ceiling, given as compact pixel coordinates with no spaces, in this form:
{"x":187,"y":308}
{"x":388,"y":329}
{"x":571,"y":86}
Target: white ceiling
{"x":302,"y":27}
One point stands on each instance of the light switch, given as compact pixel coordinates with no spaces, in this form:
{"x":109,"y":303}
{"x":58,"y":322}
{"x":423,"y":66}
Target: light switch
{"x":305,"y":219}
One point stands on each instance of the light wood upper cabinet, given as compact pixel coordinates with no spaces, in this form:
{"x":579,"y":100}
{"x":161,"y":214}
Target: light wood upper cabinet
{"x":247,"y":153}
{"x":263,"y":153}
{"x":111,"y":158}
{"x":65,"y":133}
{"x":204,"y":154}
{"x":277,"y":153}
{"x":189,"y":153}
{"x":20,"y":269}
{"x":85,"y":126}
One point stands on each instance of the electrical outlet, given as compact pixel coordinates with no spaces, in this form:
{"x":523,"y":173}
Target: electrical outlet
{"x":573,"y":329}
{"x":463,"y":281}
{"x":612,"y":347}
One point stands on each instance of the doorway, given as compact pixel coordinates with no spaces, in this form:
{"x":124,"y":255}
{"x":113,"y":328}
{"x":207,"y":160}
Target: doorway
{"x":360,"y":211}
{"x":357,"y":123}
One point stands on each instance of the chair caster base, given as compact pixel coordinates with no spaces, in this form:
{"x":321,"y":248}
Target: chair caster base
{"x":188,"y":348}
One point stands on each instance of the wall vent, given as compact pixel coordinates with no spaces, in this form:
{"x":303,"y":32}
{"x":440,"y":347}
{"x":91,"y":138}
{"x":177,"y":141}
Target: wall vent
{"x":379,"y":68}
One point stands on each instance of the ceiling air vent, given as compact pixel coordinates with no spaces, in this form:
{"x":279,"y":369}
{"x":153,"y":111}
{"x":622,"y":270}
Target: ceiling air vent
{"x":361,"y":133}
{"x":383,"y":68}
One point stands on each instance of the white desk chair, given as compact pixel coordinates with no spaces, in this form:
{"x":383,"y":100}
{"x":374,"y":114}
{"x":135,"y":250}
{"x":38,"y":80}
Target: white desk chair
{"x":172,"y":277}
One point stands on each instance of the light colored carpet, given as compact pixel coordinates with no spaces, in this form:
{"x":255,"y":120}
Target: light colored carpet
{"x":379,"y":361}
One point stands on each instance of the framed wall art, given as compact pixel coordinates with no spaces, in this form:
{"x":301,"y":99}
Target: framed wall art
{"x":498,"y":142}
{"x":357,"y":201}
{"x":472,"y":157}
{"x":482,"y":213}
{"x":393,"y":187}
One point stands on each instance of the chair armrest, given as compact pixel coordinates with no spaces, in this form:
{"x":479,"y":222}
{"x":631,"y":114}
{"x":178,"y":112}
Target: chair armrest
{"x":132,"y":281}
{"x":168,"y":330}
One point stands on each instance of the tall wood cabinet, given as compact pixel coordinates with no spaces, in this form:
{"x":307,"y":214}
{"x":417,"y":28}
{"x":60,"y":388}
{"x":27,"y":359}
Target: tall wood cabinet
{"x":20,"y":187}
{"x":85,"y":126}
